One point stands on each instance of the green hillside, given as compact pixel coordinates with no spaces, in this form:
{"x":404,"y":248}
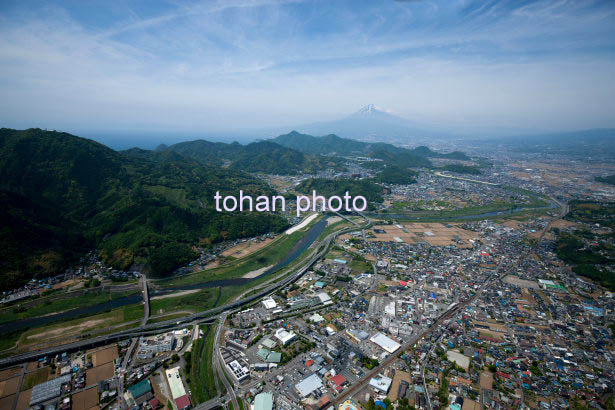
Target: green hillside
{"x":63,"y":195}
{"x":396,"y":175}
{"x":334,"y":145}
{"x":264,"y":156}
{"x":329,"y":187}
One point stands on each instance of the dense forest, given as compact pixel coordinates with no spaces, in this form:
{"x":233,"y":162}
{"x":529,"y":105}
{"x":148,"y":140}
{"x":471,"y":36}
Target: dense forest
{"x":62,"y":195}
{"x":461,"y":169}
{"x":396,"y":175}
{"x":334,"y":145}
{"x":264,"y":157}
{"x":589,"y":252}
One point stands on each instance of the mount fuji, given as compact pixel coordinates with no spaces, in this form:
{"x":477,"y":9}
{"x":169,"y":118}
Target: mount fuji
{"x":369,"y":122}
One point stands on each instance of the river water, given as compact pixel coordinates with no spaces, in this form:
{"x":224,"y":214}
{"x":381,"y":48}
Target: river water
{"x":301,"y":246}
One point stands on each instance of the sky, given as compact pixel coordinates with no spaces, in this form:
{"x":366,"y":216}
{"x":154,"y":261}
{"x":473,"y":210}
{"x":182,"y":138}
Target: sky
{"x":153,"y":68}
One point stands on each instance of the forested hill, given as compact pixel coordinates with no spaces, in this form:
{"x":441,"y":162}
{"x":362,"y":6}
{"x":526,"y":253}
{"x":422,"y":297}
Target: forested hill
{"x":264,"y":156}
{"x":332,"y":144}
{"x":62,"y":195}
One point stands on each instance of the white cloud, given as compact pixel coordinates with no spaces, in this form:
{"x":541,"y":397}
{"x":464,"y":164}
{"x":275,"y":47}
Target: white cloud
{"x":229,"y":65}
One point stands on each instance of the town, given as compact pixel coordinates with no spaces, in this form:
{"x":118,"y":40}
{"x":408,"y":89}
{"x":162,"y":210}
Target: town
{"x":461,"y":315}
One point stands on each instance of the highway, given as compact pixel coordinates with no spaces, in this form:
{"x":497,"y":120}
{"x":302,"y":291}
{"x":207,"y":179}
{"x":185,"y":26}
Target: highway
{"x":219,"y":362}
{"x":167,"y":325}
{"x":133,"y":344}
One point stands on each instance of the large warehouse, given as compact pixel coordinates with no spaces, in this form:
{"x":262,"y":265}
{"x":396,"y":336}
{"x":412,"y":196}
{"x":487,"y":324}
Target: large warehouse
{"x":385,"y":342}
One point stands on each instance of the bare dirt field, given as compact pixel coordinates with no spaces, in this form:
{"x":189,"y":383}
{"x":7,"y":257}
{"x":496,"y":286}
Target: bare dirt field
{"x":522,"y":283}
{"x":7,"y":402}
{"x":256,"y":273}
{"x":85,"y":399}
{"x":333,"y":220}
{"x":69,"y":330}
{"x":486,"y":380}
{"x":105,"y":355}
{"x":23,"y":401}
{"x":9,"y":387}
{"x":176,"y":294}
{"x":435,"y":234}
{"x":100,"y":373}
{"x":12,"y":372}
{"x":246,"y":248}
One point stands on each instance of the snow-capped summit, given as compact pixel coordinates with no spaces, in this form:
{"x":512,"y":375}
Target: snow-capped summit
{"x":370,"y":120}
{"x":370,"y":109}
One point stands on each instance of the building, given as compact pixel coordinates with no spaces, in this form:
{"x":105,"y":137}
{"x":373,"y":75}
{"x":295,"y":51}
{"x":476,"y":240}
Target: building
{"x":48,"y":390}
{"x":240,"y":372}
{"x":339,"y":381}
{"x":357,"y":336}
{"x":349,"y":405}
{"x":263,"y":401}
{"x":385,"y":342}
{"x":178,"y":392}
{"x":269,"y":356}
{"x":317,"y":318}
{"x":139,"y":393}
{"x":268,"y":343}
{"x":269,"y":303}
{"x":381,"y":383}
{"x":150,"y":346}
{"x":324,"y":298}
{"x":309,"y":385}
{"x":284,"y":336}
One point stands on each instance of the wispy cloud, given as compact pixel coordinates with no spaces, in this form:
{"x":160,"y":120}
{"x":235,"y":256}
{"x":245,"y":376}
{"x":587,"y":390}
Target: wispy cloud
{"x":207,"y":66}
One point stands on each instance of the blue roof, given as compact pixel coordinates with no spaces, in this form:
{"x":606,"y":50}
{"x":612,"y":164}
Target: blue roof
{"x":139,"y":389}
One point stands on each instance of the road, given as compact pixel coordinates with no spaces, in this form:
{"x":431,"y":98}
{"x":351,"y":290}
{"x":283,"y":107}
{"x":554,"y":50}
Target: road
{"x":390,"y":359}
{"x":439,"y":174}
{"x":133,"y":344}
{"x":145,"y":301}
{"x":437,"y":325}
{"x":167,"y":325}
{"x":219,"y":362}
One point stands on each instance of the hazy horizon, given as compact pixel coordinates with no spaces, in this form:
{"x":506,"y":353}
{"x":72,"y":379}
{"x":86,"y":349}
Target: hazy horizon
{"x":231,"y":69}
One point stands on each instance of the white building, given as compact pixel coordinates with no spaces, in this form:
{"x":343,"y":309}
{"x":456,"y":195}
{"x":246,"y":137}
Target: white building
{"x":269,"y":303}
{"x":381,"y":383}
{"x":309,"y":385}
{"x":385,"y":342}
{"x":240,"y":372}
{"x":284,"y":336}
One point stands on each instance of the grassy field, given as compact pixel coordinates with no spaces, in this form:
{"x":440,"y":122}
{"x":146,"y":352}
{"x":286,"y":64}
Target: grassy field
{"x":57,"y":304}
{"x":166,"y":317}
{"x":59,"y":333}
{"x":194,"y":302}
{"x":36,"y":377}
{"x":534,"y":201}
{"x":201,"y":374}
{"x":360,"y":264}
{"x":267,"y":256}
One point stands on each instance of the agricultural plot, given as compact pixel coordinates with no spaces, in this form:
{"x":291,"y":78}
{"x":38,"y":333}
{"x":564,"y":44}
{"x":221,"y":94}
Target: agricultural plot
{"x":435,"y":234}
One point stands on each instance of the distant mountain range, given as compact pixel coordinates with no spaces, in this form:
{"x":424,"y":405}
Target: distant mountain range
{"x":333,"y":145}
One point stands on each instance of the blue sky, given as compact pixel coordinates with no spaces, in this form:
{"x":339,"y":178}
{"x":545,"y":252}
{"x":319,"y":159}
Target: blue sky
{"x":165,"y":67}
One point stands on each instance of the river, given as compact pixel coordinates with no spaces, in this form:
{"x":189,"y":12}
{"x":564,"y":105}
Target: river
{"x":301,"y":246}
